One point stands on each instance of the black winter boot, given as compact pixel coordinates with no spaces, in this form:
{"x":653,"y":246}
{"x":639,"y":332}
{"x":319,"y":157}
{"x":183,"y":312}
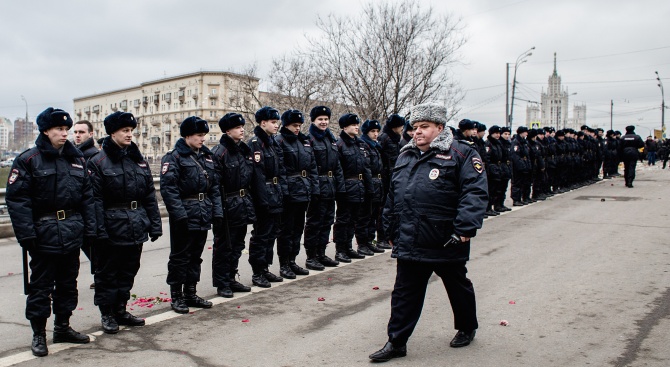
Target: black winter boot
{"x":258,"y":279}
{"x":285,"y":269}
{"x":341,"y":254}
{"x":63,"y":333}
{"x":312,"y":261}
{"x":272,"y":278}
{"x":39,"y":344}
{"x":384,"y":245}
{"x":124,"y":317}
{"x":107,"y":319}
{"x":325,"y":260}
{"x":192,"y":299}
{"x":364,"y":251}
{"x":236,"y":286}
{"x":372,"y":247}
{"x":178,"y":303}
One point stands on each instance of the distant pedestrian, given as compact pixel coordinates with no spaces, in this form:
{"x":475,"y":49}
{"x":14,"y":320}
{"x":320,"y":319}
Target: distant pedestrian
{"x":651,"y":147}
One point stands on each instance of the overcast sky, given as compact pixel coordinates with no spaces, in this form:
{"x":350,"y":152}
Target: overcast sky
{"x":54,"y":51}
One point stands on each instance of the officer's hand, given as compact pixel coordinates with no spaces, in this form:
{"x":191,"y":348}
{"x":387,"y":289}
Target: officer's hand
{"x":155,"y":236}
{"x":29,"y":245}
{"x":464,"y":239}
{"x":217,"y":222}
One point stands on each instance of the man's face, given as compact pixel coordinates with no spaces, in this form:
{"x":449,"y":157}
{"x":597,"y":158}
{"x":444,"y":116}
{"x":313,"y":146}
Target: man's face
{"x":81,"y":133}
{"x":373,"y":134}
{"x":524,"y":134}
{"x":398,"y":129}
{"x":57,"y":135}
{"x":505,"y":135}
{"x":425,"y":132}
{"x":495,"y":136}
{"x":540,"y":136}
{"x":480,"y":134}
{"x":123,"y":137}
{"x":322,"y":122}
{"x":270,"y":126}
{"x":294,"y":127}
{"x":561,"y":137}
{"x":236,"y":133}
{"x":351,"y":130}
{"x":195,"y":141}
{"x":410,"y":133}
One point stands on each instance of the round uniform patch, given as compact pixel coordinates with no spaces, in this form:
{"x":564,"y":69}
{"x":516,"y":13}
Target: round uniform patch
{"x":434,"y":173}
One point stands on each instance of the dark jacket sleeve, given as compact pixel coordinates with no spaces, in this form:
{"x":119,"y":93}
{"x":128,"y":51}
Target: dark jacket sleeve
{"x":215,"y":191}
{"x":95,"y":175}
{"x":339,"y":179}
{"x":170,"y":188}
{"x":87,"y":206}
{"x":473,"y":196}
{"x":151,"y":207}
{"x":19,"y":202}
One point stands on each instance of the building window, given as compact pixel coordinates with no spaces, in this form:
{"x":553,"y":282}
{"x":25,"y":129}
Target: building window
{"x":213,"y":92}
{"x":213,"y":103}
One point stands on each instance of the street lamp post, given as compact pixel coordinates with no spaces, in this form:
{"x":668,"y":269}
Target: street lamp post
{"x":519,"y":60}
{"x":24,"y":135}
{"x":660,"y":85}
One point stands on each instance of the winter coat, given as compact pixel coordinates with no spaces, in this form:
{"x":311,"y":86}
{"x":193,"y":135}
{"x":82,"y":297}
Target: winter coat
{"x":302,"y":178}
{"x":267,"y":152}
{"x":357,"y":176}
{"x":331,"y":179}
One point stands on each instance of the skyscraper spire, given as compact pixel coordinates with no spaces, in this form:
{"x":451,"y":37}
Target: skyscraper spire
{"x":555,"y":72}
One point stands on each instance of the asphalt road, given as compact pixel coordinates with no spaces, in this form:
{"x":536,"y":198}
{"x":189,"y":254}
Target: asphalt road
{"x":581,"y":282}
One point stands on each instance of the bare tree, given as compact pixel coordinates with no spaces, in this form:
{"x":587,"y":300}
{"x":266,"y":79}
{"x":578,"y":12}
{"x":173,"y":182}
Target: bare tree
{"x":392,"y":56}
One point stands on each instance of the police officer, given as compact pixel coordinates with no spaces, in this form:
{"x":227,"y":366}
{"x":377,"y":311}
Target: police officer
{"x":562,"y":162}
{"x":321,"y":209}
{"x":506,"y":141}
{"x":50,"y":202}
{"x":366,"y":226}
{"x":83,"y":140}
{"x":610,"y":155}
{"x":190,"y":191}
{"x":478,"y":139}
{"x":241,"y":184}
{"x":357,"y":184}
{"x":521,"y":177}
{"x":466,"y":130}
{"x":301,"y":184}
{"x":536,"y":150}
{"x":549,"y":144}
{"x":267,"y":152}
{"x":494,"y":170}
{"x":389,"y":140}
{"x":438,"y":190}
{"x":127,"y":215}
{"x":628,"y":151}
{"x":407,"y":134}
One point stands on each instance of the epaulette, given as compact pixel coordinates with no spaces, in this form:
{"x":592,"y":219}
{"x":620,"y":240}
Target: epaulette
{"x":466,"y":141}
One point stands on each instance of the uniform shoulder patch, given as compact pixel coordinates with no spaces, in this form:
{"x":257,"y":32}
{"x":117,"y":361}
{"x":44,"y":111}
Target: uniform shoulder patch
{"x":13,"y":176}
{"x":477,"y":164}
{"x":257,"y":156}
{"x":166,"y":165}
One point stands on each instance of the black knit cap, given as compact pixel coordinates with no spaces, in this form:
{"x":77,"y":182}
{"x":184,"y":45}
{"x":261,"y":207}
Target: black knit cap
{"x":231,"y":120}
{"x":52,"y":117}
{"x":395,"y":120}
{"x":193,"y":125}
{"x":266,"y":113}
{"x":369,"y":125}
{"x":521,"y":129}
{"x":466,"y":124}
{"x":495,"y":129}
{"x":118,"y":120}
{"x":408,"y":126}
{"x":319,"y":111}
{"x":291,"y":117}
{"x":348,"y":119}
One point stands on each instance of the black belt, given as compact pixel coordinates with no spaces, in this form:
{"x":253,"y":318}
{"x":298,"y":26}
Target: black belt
{"x":241,"y":193}
{"x":359,"y":177}
{"x":273,"y":181}
{"x":131,"y":205}
{"x":302,"y":173}
{"x":199,"y":197}
{"x":329,"y":174}
{"x":59,"y":215}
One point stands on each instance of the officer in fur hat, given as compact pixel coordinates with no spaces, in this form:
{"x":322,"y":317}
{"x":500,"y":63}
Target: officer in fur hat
{"x":51,"y":206}
{"x":438,"y":183}
{"x":628,"y":150}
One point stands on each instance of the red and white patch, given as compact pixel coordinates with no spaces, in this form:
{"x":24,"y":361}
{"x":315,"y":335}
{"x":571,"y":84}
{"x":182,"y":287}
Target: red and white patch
{"x":434,"y":174}
{"x":488,"y":149}
{"x":516,"y":147}
{"x":142,"y":164}
{"x":209,"y":160}
{"x":257,"y":156}
{"x":13,"y":176}
{"x":165,"y":168}
{"x":477,"y":164}
{"x":442,"y":156}
{"x":77,"y":166}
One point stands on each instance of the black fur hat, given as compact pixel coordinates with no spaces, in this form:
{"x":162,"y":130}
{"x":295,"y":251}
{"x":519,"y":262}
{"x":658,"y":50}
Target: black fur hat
{"x":480,"y":127}
{"x":395,"y":120}
{"x":466,"y":124}
{"x":119,"y":120}
{"x":630,"y":129}
{"x":495,"y":129}
{"x":505,"y":129}
{"x":348,"y":119}
{"x":52,"y":117}
{"x":521,"y":129}
{"x":560,"y":133}
{"x":266,"y":113}
{"x":370,"y":125}
{"x":319,"y":111}
{"x":193,"y":125}
{"x":291,"y":117}
{"x":231,"y":120}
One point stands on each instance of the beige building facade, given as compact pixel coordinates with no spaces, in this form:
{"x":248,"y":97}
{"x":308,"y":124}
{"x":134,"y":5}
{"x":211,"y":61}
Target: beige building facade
{"x":161,"y":105}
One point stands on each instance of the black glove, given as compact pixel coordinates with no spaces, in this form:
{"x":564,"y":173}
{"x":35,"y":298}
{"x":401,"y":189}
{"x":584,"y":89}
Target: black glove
{"x":29,"y":245}
{"x":217,"y":222}
{"x":155,"y":236}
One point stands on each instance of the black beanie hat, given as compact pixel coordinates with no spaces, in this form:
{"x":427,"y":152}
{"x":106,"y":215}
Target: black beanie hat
{"x":480,"y":127}
{"x":521,"y":129}
{"x":466,"y":124}
{"x":495,"y":129}
{"x":319,"y":111}
{"x":505,"y":129}
{"x":118,"y":120}
{"x":560,"y":133}
{"x":348,"y":119}
{"x":395,"y":120}
{"x":630,"y":129}
{"x":231,"y":120}
{"x":266,"y":113}
{"x":370,"y":125}
{"x":52,"y":117}
{"x":193,"y":125}
{"x":291,"y":117}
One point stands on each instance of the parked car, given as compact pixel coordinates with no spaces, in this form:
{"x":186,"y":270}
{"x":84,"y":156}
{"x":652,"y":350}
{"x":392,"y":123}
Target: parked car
{"x":7,"y":163}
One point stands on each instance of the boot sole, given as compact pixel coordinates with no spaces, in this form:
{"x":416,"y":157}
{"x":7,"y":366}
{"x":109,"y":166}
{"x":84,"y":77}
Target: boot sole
{"x":40,"y":354}
{"x":56,"y":341}
{"x":110,"y":331}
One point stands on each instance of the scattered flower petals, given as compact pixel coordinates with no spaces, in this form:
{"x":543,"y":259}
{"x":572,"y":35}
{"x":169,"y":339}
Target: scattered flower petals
{"x":239,"y":306}
{"x":375,"y":288}
{"x":321,"y":299}
{"x":330,"y":278}
{"x":191,"y":312}
{"x":209,"y":248}
{"x":512,"y":302}
{"x":245,"y":320}
{"x":131,"y":309}
{"x":10,"y":273}
{"x":504,"y":322}
{"x":79,"y":309}
{"x":163,"y":293}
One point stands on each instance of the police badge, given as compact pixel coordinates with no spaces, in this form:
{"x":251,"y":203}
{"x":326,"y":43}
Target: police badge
{"x":13,"y":176}
{"x":165,"y":168}
{"x":257,"y":156}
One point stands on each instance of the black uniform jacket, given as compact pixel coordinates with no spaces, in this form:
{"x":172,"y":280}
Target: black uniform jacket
{"x":520,"y":155}
{"x":241,"y":181}
{"x":45,"y":185}
{"x":390,"y":144}
{"x":629,"y":145}
{"x":374,"y":158}
{"x":495,"y":159}
{"x":125,"y":197}
{"x":88,"y":148}
{"x":266,"y":151}
{"x":190,"y":186}
{"x":434,"y":195}
{"x":331,"y":180}
{"x":302,"y":178}
{"x":357,"y":176}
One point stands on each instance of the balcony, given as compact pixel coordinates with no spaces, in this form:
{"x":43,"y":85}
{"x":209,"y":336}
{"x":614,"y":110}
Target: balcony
{"x":79,"y":113}
{"x":195,"y":94}
{"x":213,"y":96}
{"x":155,"y":140}
{"x":87,"y":110}
{"x":96,"y":109}
{"x":181,"y":96}
{"x":168,"y":98}
{"x":155,"y":122}
{"x":136,"y":103}
{"x":113,"y":107}
{"x":156,"y":99}
{"x":124,"y":105}
{"x":145,"y":100}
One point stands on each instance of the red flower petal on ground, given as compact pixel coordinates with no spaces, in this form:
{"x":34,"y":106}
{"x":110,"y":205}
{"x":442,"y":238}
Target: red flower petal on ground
{"x":512,"y":302}
{"x":504,"y":322}
{"x":163,"y":293}
{"x":79,"y":309}
{"x":321,"y":299}
{"x":239,"y":306}
{"x":330,"y":278}
{"x":10,"y":273}
{"x":209,"y":248}
{"x":375,"y":288}
{"x":245,"y":320}
{"x":191,"y":312}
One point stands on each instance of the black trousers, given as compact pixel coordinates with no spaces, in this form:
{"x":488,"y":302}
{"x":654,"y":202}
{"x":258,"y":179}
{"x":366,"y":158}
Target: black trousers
{"x":366,"y":225}
{"x":504,"y":183}
{"x":262,"y":242}
{"x":185,"y":255}
{"x":291,"y":229}
{"x":53,"y":277}
{"x":629,"y":170}
{"x":520,"y":186}
{"x":409,"y":292}
{"x":116,"y":271}
{"x":86,"y":249}
{"x":320,"y":218}
{"x":346,"y":217}
{"x":228,"y":246}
